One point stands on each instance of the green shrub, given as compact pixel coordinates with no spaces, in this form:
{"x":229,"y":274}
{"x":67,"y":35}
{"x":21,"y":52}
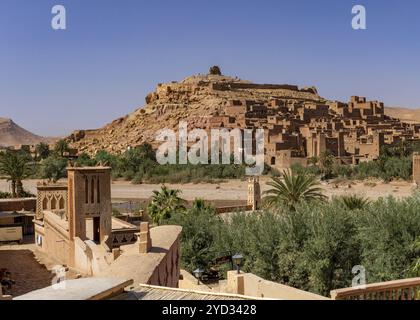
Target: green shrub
{"x":53,"y":168}
{"x":5,"y":195}
{"x":198,"y":237}
{"x":388,"y":228}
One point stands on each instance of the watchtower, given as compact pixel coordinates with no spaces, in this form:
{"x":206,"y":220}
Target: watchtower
{"x":89,"y":204}
{"x":254,"y":193}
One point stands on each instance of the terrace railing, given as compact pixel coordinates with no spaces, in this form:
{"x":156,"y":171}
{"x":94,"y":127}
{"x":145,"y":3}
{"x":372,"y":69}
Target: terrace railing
{"x":406,"y":289}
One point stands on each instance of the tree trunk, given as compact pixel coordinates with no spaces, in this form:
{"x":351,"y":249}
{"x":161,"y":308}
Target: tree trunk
{"x":19,"y":188}
{"x":14,"y":189}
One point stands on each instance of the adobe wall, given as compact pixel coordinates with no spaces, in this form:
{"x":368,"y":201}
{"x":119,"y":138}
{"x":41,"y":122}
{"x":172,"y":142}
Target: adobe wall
{"x":27,"y":204}
{"x":168,"y":271}
{"x":251,"y":285}
{"x":55,"y":240}
{"x":234,"y":85}
{"x":189,"y":282}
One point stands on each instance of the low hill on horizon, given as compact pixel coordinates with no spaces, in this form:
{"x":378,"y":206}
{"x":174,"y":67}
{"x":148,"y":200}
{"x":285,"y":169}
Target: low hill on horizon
{"x":404,"y":114}
{"x":12,"y":134}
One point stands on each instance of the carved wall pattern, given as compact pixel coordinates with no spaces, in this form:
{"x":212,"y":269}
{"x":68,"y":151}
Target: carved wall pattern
{"x":52,"y":200}
{"x":123,"y":238}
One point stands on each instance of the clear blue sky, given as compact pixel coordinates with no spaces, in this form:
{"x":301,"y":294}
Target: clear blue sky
{"x":114,"y":52}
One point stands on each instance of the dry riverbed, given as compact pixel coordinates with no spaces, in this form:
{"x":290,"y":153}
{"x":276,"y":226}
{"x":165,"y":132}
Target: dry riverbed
{"x":232,"y":191}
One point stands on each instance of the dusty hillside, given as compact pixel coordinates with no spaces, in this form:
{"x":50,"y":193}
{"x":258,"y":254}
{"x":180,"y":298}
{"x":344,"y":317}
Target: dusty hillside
{"x":404,"y":114}
{"x":11,"y":134}
{"x":194,"y":99}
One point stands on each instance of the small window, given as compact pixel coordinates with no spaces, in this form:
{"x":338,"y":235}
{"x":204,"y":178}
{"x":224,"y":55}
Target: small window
{"x":92,"y":190}
{"x":86,"y":190}
{"x":45,"y":204}
{"x":98,"y":190}
{"x":61,"y":203}
{"x":53,"y":204}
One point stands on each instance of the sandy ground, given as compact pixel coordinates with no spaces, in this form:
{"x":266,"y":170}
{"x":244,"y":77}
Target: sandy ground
{"x":236,"y":190}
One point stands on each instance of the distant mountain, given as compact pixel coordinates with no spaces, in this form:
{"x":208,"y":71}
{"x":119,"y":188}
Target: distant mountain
{"x":404,"y":114}
{"x":11,"y":134}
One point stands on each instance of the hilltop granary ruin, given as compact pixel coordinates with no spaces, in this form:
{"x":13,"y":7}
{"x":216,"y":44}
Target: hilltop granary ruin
{"x":299,"y":124}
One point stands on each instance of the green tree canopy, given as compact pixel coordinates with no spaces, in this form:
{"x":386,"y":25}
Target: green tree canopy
{"x":16,"y":167}
{"x":291,"y":188}
{"x":61,"y":147}
{"x":165,"y":203}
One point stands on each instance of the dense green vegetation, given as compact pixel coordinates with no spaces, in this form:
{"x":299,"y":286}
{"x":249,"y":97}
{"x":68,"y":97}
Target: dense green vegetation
{"x":313,"y":247}
{"x":138,"y":165}
{"x":394,"y":162}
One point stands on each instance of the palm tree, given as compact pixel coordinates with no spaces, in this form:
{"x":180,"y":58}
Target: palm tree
{"x":16,"y":167}
{"x":354,"y":202}
{"x":164,"y":203}
{"x":42,"y":150}
{"x":61,"y":147}
{"x":291,"y":188}
{"x":201,"y":205}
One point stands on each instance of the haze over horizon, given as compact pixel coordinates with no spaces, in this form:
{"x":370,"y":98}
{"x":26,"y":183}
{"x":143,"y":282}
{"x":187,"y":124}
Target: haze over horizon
{"x":111,"y":56}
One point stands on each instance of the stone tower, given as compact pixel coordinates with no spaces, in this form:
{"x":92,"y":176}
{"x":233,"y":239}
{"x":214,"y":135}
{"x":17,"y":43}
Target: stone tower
{"x":89,"y":204}
{"x":416,"y":168}
{"x":254,"y":193}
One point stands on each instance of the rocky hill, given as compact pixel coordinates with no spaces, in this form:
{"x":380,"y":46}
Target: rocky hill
{"x":11,"y":134}
{"x":196,"y":100}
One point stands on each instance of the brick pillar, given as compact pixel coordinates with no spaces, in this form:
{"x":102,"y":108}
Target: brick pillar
{"x":235,"y":282}
{"x":144,"y":241}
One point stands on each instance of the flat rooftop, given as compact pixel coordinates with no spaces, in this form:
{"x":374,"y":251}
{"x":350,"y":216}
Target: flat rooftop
{"x":80,"y":289}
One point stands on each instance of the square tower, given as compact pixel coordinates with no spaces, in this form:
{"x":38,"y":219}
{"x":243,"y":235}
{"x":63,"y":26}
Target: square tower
{"x":254,"y":193}
{"x":89,"y":203}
